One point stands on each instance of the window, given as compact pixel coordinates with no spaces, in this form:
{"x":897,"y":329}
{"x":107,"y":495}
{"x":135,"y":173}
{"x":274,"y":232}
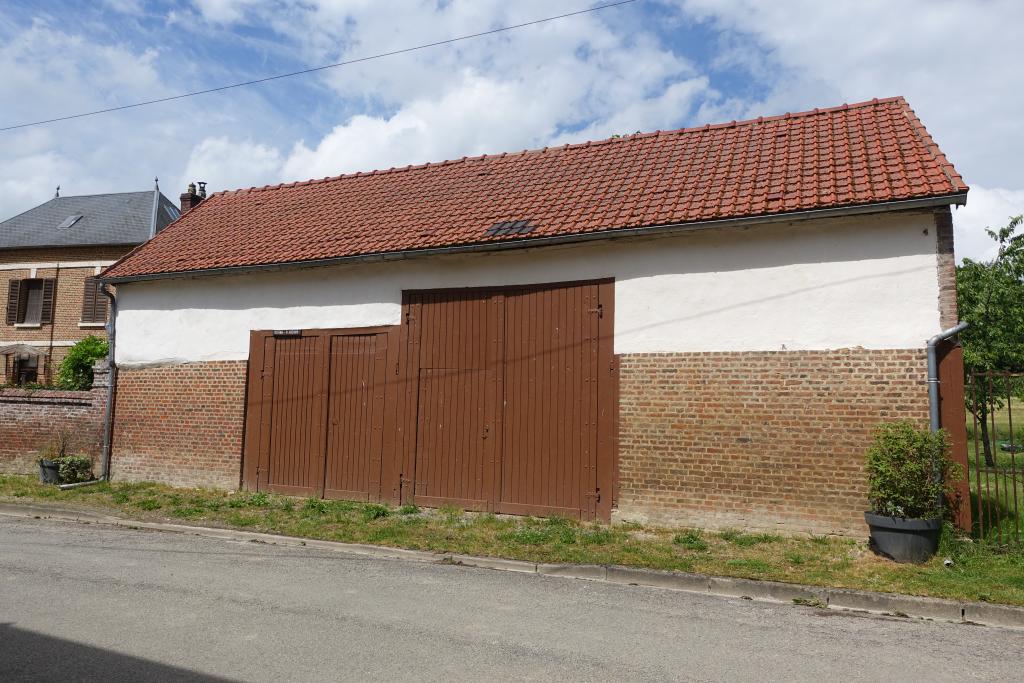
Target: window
{"x":30,"y":302}
{"x":94,"y":303}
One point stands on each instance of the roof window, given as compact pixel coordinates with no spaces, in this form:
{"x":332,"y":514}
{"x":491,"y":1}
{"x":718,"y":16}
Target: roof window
{"x":69,"y":221}
{"x":520,"y":227}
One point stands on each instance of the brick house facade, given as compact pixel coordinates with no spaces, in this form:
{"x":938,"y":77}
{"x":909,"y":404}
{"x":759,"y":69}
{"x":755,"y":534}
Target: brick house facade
{"x":48,"y":274}
{"x":761,"y":316}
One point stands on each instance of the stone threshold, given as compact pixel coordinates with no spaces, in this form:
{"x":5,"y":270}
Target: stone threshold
{"x":813,"y":597}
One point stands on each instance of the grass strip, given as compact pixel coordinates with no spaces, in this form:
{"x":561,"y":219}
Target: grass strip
{"x":977,"y":572}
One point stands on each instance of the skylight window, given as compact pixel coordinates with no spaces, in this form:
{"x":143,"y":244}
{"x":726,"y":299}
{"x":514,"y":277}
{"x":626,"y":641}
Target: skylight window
{"x":520,"y":227}
{"x":171,"y":212}
{"x":69,"y":221}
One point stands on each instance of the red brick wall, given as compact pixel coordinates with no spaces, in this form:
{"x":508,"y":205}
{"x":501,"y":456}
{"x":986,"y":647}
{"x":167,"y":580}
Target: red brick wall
{"x":28,"y":420}
{"x":762,"y":440}
{"x":180,"y":424}
{"x":947,"y":268}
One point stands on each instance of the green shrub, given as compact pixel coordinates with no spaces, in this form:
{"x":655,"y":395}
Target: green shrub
{"x":74,"y":468}
{"x":909,"y":471}
{"x":75,"y":372}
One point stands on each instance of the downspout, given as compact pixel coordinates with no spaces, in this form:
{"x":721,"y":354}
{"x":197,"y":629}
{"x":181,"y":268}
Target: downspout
{"x":108,"y":418}
{"x":933,"y":373}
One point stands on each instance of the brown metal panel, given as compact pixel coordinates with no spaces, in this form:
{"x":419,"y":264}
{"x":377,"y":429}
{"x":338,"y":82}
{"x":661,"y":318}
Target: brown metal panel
{"x":253,"y":410}
{"x":953,"y":418}
{"x":296,"y":455}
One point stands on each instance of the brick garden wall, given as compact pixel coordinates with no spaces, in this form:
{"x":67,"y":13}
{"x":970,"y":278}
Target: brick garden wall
{"x":29,"y":418}
{"x":180,"y":424}
{"x":760,"y":440}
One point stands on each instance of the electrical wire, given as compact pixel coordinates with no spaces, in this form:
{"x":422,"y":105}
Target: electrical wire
{"x":256,"y":81}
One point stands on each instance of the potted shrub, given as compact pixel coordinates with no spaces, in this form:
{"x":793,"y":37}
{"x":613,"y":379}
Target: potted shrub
{"x":909,"y":475}
{"x":58,"y":465}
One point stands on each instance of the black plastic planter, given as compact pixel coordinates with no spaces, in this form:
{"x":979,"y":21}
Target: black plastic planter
{"x":49,"y":472}
{"x":902,"y":539}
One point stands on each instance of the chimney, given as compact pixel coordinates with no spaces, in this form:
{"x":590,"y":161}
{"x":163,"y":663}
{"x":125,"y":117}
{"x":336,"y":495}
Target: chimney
{"x":190,"y":199}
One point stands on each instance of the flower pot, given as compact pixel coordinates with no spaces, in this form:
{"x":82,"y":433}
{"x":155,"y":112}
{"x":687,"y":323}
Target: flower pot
{"x":902,"y":539}
{"x":49,"y":472}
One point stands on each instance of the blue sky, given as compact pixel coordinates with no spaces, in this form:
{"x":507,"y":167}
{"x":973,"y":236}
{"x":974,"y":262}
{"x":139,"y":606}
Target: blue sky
{"x":653,"y":64}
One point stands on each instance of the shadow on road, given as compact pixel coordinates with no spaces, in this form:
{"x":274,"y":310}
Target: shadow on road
{"x":29,"y":656}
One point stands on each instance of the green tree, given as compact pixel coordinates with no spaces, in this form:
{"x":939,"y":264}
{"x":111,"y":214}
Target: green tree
{"x":990,"y":296}
{"x":75,"y":371}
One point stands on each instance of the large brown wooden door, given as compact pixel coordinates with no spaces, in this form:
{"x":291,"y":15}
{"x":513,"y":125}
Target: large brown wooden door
{"x":514,"y":399}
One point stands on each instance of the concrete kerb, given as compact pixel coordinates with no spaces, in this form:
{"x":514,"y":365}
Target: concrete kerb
{"x":1006,"y":616}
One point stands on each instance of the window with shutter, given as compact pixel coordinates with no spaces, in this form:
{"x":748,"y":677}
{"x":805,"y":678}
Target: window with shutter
{"x":13,"y":301}
{"x":31,"y":305}
{"x":94,"y":304}
{"x":49,"y":291}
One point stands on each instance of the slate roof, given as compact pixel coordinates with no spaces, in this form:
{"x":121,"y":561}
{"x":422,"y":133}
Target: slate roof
{"x":848,"y":156}
{"x":121,"y":218}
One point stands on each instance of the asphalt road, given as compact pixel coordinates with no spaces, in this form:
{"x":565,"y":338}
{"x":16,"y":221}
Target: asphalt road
{"x":81,"y":602}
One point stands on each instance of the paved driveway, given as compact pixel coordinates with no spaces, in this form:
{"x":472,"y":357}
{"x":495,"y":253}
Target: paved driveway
{"x":81,"y":602}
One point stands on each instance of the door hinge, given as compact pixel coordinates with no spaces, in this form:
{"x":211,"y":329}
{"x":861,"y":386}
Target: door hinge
{"x":599,"y":310}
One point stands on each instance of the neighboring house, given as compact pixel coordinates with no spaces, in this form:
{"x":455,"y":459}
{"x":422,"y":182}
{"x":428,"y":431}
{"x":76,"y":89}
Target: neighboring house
{"x":49,"y":258}
{"x":698,"y":326}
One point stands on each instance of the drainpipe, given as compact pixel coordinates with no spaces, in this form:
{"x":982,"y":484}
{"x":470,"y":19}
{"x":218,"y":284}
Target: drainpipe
{"x":108,"y":418}
{"x":933,"y":373}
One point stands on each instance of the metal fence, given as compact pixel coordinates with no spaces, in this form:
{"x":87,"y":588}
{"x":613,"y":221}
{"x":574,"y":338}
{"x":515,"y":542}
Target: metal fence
{"x":995,"y":455}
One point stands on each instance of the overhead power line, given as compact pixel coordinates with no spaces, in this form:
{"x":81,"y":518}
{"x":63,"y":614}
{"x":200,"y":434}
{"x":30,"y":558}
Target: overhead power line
{"x":266,"y":79}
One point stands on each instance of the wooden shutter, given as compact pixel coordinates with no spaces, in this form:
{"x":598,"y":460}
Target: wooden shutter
{"x":13,"y":297}
{"x":94,"y":304}
{"x":49,"y":289}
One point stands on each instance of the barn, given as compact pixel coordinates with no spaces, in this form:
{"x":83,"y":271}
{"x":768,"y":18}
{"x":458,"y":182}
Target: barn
{"x":698,"y":326}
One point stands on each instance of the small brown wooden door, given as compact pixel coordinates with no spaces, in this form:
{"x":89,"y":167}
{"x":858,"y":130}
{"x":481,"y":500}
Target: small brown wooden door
{"x":316,"y":413}
{"x":295,"y":457}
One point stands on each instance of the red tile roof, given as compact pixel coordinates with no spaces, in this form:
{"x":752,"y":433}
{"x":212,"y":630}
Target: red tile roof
{"x":845,"y":156}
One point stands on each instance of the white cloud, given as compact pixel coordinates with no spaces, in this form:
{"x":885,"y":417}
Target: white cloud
{"x":986,"y":208}
{"x":230,"y":164}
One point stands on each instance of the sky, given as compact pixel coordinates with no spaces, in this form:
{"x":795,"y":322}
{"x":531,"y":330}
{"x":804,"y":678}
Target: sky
{"x":649,"y":65}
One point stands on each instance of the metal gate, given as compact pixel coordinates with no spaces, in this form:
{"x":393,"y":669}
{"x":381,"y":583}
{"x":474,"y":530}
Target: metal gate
{"x":996,"y":456}
{"x":316,"y":412}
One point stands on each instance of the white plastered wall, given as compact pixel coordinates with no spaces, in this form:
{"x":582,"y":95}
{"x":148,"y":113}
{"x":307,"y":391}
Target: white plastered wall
{"x":868,"y":281}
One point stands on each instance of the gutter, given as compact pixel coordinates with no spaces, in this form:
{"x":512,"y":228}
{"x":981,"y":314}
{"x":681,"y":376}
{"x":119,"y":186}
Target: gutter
{"x":108,"y":417}
{"x":959,"y":198}
{"x":933,"y":373}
